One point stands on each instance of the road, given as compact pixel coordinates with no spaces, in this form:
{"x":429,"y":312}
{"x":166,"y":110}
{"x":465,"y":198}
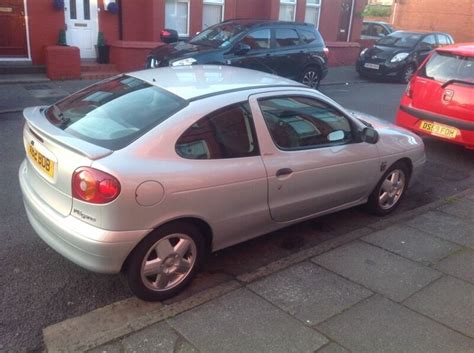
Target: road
{"x":39,"y":287}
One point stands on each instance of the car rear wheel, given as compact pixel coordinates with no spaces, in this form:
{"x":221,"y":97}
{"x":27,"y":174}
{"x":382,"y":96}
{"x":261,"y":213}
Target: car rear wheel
{"x":311,"y":77}
{"x":165,"y":261}
{"x":390,"y":190}
{"x":407,"y":73}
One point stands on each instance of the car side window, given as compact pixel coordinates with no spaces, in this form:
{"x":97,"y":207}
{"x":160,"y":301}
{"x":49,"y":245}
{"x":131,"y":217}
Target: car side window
{"x":443,"y":40}
{"x":226,"y":133}
{"x":379,"y":31}
{"x":365,"y":29}
{"x":297,"y":123}
{"x":428,"y":43}
{"x":258,"y":39}
{"x":286,"y":37}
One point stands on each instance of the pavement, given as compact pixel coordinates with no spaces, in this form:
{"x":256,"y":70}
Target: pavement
{"x":20,"y":91}
{"x":402,"y":284}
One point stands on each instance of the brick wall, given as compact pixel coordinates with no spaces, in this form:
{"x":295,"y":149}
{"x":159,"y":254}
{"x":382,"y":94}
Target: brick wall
{"x":455,"y":17}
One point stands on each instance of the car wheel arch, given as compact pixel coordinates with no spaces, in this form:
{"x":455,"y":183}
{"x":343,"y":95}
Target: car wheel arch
{"x":204,"y":228}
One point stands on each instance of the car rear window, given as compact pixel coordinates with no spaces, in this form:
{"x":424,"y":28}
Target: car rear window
{"x":444,"y":67}
{"x":114,"y":113}
{"x":400,"y":40}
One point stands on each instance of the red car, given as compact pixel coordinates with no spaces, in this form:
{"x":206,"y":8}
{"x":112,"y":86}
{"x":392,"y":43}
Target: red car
{"x":439,"y":100}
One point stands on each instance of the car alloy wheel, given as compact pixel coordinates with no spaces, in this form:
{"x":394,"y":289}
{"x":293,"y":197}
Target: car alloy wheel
{"x":165,"y":261}
{"x":390,"y":190}
{"x":407,"y":73}
{"x":311,"y":77}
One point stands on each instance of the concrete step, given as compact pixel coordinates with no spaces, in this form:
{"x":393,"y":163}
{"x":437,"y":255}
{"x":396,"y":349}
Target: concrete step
{"x":20,"y":68}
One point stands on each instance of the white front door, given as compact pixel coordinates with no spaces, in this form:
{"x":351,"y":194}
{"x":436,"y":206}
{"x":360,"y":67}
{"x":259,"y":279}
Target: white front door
{"x":82,"y":25}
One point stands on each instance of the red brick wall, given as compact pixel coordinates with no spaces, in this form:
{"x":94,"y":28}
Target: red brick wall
{"x":44,"y":23}
{"x":108,"y":23}
{"x":455,"y":17}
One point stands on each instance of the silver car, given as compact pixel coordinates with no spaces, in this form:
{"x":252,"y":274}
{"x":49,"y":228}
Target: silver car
{"x":149,"y":172}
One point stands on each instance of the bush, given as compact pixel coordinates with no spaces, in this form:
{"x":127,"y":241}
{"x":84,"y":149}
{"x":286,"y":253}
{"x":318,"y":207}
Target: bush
{"x":377,"y":11}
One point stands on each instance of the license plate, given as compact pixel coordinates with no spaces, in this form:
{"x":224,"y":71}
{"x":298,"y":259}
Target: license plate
{"x":371,"y":66}
{"x":45,"y":164}
{"x":441,"y":130}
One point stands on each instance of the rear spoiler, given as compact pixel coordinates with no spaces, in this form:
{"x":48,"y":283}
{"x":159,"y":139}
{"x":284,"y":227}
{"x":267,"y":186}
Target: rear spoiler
{"x":40,"y":126}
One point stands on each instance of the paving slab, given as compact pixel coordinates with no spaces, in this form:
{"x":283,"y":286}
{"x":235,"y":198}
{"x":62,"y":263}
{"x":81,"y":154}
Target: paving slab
{"x":412,"y":243}
{"x":309,"y":292}
{"x":446,"y":226}
{"x":377,"y":269}
{"x":379,"y":325}
{"x":460,"y":265}
{"x":449,"y":301}
{"x":333,"y":348}
{"x":461,"y":208}
{"x":241,"y":321}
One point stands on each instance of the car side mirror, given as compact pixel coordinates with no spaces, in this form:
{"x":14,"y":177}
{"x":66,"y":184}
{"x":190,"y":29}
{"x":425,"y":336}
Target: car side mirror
{"x":370,"y":135}
{"x":337,"y":135}
{"x":169,"y":36}
{"x":241,"y":48}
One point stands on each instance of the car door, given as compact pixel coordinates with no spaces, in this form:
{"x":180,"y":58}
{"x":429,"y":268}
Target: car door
{"x":259,"y":55}
{"x":287,"y":59}
{"x":310,"y":151}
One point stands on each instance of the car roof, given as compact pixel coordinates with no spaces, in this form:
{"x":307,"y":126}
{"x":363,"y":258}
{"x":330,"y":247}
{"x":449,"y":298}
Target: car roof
{"x":196,"y":81}
{"x":420,"y":32}
{"x":463,"y":49}
{"x":260,"y":22}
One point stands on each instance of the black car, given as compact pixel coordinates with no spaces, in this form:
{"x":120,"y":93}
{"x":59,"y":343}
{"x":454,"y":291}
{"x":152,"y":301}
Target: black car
{"x":399,"y":54}
{"x":289,"y":49}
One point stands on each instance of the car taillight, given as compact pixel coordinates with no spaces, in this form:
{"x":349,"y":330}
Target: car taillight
{"x":94,"y":186}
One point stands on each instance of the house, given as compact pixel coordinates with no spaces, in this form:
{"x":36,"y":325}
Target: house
{"x":132,"y":27}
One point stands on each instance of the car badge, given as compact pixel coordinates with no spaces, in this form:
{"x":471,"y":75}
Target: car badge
{"x":32,"y":143}
{"x":448,"y":96}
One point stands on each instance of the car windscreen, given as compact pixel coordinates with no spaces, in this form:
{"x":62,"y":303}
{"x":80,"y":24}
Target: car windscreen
{"x":400,"y":40}
{"x":115,"y":112}
{"x":444,"y":67}
{"x":220,"y":35}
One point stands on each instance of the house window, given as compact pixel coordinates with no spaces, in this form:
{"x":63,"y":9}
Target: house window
{"x":177,"y":16}
{"x":313,"y":12}
{"x":212,"y":12}
{"x":287,"y":10}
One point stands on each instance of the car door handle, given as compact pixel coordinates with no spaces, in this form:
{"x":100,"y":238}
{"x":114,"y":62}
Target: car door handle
{"x":283,"y":172}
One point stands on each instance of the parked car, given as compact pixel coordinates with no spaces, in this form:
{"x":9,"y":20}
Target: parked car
{"x":149,"y":172}
{"x":439,"y":100}
{"x":375,"y":30}
{"x":399,"y":54}
{"x":288,"y":49}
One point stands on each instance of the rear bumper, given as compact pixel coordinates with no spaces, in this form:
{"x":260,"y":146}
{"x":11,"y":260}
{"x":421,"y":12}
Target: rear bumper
{"x":412,"y":123}
{"x":95,"y":249}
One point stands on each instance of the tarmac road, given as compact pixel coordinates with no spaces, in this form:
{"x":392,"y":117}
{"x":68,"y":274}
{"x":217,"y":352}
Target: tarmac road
{"x":39,"y":287}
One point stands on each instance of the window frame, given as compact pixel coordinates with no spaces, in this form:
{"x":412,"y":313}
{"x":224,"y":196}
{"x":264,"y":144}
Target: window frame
{"x":220,"y":3}
{"x":188,"y":2}
{"x":287,"y":2}
{"x":317,"y":6}
{"x":218,"y":111}
{"x":354,"y":131}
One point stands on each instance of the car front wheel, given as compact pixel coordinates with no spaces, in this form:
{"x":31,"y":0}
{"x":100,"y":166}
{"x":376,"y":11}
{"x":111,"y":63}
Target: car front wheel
{"x":311,"y":77}
{"x":165,"y":261}
{"x":407,"y":73}
{"x":390,"y":190}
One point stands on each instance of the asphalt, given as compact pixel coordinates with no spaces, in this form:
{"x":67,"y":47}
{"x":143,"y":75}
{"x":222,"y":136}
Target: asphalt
{"x":403,"y":284}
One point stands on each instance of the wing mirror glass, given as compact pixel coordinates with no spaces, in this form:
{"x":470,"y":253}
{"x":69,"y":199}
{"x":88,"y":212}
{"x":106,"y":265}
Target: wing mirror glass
{"x":241,"y":48}
{"x":337,"y":135}
{"x":370,"y":135}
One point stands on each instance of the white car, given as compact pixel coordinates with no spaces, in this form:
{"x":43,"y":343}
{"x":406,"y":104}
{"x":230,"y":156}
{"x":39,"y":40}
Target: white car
{"x":149,"y":172}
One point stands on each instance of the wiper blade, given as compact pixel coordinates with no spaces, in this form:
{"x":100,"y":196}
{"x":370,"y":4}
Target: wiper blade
{"x":449,"y":82}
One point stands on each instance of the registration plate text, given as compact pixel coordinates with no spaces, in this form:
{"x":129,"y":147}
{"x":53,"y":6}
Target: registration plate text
{"x":441,"y":130}
{"x":371,"y":66}
{"x":45,"y":164}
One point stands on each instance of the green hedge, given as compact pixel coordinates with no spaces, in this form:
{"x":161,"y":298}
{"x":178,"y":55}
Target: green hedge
{"x":377,"y":11}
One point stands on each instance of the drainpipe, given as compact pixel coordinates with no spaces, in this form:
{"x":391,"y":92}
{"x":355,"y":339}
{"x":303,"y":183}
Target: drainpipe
{"x":120,"y":18}
{"x":350,"y":22}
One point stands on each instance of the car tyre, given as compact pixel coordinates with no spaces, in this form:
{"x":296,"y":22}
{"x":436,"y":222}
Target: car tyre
{"x":390,"y":190}
{"x":311,"y":77}
{"x":165,"y":262}
{"x":407,"y":73}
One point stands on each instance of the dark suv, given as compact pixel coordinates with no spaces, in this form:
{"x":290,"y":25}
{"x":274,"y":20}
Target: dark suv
{"x":292,"y":50}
